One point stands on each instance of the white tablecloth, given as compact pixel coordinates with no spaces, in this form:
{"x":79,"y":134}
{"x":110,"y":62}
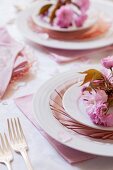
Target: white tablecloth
{"x":42,"y":155}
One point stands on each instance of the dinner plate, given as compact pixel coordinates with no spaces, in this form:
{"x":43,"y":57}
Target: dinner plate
{"x":43,"y":39}
{"x":75,"y":107}
{"x":52,"y":127}
{"x":92,"y":19}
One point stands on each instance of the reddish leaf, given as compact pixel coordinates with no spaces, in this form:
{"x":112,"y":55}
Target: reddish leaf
{"x":92,"y":75}
{"x":44,"y":9}
{"x":89,"y":89}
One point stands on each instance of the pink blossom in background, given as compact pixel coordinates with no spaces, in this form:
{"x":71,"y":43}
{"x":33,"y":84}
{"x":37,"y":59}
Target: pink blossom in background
{"x":83,"y":4}
{"x":64,"y":16}
{"x":107,"y":62}
{"x":79,"y":20}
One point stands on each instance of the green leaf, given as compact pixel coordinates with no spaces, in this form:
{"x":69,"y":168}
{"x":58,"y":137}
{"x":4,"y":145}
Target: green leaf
{"x":44,"y":9}
{"x":92,"y":75}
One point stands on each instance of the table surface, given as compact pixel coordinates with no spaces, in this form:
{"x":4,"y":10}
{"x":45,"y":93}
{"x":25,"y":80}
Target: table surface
{"x":42,"y":155}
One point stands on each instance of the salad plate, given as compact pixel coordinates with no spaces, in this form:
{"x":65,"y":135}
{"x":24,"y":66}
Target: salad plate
{"x":74,"y":105}
{"x":92,"y":19}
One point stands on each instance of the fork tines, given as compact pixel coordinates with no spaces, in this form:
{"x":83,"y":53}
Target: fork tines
{"x":15,"y":129}
{"x":5,"y":146}
{"x":18,"y":142}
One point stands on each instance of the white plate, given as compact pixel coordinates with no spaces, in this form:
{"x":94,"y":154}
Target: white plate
{"x":92,"y":19}
{"x":50,"y":125}
{"x":75,"y":107}
{"x":104,"y":6}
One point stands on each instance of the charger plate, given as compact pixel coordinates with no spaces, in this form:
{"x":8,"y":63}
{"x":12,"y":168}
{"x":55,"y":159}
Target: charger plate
{"x":51,"y":125}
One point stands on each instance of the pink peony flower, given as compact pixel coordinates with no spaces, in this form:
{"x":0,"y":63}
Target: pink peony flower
{"x":79,"y":20}
{"x":64,"y":16}
{"x":98,"y":114}
{"x":95,"y":97}
{"x":83,"y":4}
{"x":107,"y":62}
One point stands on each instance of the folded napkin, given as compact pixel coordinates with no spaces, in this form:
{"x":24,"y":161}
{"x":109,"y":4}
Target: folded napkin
{"x":13,"y":60}
{"x":70,"y":155}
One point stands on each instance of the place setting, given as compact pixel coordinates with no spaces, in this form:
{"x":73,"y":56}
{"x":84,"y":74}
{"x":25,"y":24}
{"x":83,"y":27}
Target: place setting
{"x":84,"y":111}
{"x":88,"y":28}
{"x":71,"y":29}
{"x":30,"y":25}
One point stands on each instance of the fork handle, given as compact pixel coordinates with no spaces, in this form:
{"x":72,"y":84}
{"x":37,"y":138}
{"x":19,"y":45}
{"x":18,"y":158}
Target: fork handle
{"x":26,"y":159}
{"x":8,"y":164}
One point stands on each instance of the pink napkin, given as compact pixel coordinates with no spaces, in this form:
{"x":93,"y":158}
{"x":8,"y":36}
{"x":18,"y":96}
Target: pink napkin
{"x":70,"y":155}
{"x":13,"y":60}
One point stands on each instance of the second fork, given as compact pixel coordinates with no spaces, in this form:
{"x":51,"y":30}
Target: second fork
{"x":18,"y":141}
{"x":6,"y":155}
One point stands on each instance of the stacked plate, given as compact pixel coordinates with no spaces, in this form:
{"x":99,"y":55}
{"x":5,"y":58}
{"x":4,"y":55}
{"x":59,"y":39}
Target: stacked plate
{"x":59,"y":111}
{"x":99,"y":11}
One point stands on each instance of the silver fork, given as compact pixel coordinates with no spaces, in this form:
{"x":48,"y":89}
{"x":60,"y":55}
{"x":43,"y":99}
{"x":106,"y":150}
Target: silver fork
{"x":6,"y":155}
{"x":18,"y":141}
